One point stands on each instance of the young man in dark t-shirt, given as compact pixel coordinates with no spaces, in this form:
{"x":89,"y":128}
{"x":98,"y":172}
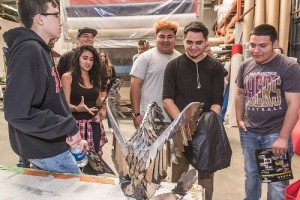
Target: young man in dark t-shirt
{"x":193,"y":77}
{"x":267,"y":101}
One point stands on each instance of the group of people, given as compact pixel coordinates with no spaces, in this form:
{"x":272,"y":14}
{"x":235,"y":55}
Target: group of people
{"x":176,"y":80}
{"x":267,"y":100}
{"x":47,"y":116}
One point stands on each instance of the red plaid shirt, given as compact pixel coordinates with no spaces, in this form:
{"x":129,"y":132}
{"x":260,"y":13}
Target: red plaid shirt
{"x":85,"y":126}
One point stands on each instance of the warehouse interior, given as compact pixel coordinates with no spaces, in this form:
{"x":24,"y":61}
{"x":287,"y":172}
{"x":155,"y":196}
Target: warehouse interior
{"x":121,"y":23}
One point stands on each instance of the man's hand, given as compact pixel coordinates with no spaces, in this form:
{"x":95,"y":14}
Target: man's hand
{"x":280,"y":147}
{"x":137,"y":121}
{"x":84,"y":146}
{"x":241,"y":125}
{"x":74,"y":140}
{"x":147,"y":45}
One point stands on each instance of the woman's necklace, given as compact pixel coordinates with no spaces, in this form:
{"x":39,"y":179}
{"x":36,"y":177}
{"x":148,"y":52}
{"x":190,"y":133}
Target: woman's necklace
{"x":198,"y":79}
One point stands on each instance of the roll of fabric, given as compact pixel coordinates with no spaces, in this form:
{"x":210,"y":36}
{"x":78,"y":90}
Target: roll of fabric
{"x":248,"y":20}
{"x":128,"y":22}
{"x":130,"y":9}
{"x":236,"y":60}
{"x":284,"y":24}
{"x":96,"y":2}
{"x":122,"y":33}
{"x":246,"y":52}
{"x":260,"y":14}
{"x":272,"y":12}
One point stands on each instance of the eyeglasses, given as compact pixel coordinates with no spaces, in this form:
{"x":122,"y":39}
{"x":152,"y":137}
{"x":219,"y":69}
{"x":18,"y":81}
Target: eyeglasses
{"x":55,"y":14}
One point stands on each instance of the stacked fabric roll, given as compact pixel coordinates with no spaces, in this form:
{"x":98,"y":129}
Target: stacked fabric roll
{"x":123,"y":23}
{"x":236,"y":60}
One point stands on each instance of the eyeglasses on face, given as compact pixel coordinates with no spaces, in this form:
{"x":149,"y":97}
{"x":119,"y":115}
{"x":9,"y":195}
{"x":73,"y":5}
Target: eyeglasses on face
{"x":55,"y":14}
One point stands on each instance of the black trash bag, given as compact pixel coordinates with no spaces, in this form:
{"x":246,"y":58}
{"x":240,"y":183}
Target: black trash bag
{"x":209,"y":149}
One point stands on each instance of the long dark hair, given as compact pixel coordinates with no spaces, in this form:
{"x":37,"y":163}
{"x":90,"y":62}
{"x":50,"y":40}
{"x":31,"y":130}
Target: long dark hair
{"x":107,"y":62}
{"x":94,"y":72}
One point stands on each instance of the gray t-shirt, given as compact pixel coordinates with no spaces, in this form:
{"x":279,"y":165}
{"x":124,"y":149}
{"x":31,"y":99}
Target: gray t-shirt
{"x":150,"y":67}
{"x":264,"y":85}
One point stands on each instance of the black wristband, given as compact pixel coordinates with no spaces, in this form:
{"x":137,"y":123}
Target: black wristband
{"x":134,"y":115}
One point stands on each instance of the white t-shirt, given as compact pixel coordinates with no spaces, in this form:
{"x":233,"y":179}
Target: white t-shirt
{"x":150,"y":67}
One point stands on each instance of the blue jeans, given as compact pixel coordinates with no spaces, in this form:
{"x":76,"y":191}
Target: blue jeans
{"x":249,"y":142}
{"x":61,"y":163}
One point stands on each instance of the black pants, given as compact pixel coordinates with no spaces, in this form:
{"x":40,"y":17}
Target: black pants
{"x":96,"y":135}
{"x":23,"y":162}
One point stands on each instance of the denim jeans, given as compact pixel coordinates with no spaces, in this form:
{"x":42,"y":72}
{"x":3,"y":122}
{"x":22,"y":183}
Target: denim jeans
{"x":251,"y":141}
{"x":62,"y":163}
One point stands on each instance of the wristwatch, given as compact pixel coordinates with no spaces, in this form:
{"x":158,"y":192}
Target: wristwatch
{"x":134,"y":115}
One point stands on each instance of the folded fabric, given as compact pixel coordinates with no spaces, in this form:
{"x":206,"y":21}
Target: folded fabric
{"x":292,"y":191}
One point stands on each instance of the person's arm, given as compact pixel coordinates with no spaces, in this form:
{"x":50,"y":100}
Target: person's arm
{"x":218,"y":88}
{"x":66,"y":81}
{"x":113,"y":76}
{"x":216,"y":108}
{"x":103,"y":75}
{"x":280,"y":146}
{"x":171,"y":108}
{"x":240,"y":108}
{"x":169,"y":86}
{"x":135,"y":98}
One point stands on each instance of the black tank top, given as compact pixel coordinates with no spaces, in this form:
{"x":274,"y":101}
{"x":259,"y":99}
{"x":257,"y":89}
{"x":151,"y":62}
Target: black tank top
{"x":90,"y":96}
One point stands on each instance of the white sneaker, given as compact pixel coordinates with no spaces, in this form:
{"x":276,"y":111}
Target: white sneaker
{"x":111,"y":130}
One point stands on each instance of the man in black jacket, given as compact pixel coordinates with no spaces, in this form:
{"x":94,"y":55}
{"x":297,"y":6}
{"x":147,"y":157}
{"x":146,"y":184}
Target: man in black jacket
{"x":41,"y":127}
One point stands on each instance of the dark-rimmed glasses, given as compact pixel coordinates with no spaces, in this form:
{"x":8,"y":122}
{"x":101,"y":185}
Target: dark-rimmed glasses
{"x":46,"y":14}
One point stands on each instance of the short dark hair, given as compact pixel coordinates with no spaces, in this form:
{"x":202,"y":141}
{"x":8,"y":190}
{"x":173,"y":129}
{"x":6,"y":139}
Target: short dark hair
{"x":141,"y":42}
{"x":197,"y":27}
{"x":265,"y":30}
{"x":27,"y":9}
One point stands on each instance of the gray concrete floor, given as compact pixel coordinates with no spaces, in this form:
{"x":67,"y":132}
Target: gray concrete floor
{"x":229,"y":182}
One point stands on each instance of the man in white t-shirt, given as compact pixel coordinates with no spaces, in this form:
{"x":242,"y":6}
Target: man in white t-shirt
{"x":147,"y":72}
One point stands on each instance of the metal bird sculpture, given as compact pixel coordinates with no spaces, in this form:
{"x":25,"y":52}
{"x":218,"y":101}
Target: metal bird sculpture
{"x":142,"y":161}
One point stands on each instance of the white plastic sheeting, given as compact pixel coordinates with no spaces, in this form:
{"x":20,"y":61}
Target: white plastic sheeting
{"x":121,"y":23}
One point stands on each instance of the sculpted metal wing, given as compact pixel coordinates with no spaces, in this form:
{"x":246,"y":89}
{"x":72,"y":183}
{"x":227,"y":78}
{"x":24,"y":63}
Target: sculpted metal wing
{"x":142,"y":161}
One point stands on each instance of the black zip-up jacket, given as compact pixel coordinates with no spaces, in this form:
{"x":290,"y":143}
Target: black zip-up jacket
{"x":35,"y":107}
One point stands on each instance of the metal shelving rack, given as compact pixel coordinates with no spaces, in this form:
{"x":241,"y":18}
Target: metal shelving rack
{"x":233,"y":15}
